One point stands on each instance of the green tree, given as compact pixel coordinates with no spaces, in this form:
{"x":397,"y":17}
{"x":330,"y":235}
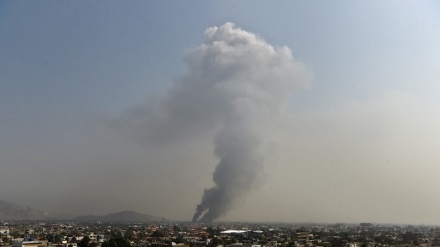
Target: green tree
{"x":129,"y":235}
{"x":122,"y":242}
{"x":50,"y":237}
{"x":57,"y":238}
{"x":15,"y":234}
{"x":5,"y":239}
{"x":158,"y":234}
{"x":116,"y":242}
{"x":105,"y":244}
{"x":84,"y":242}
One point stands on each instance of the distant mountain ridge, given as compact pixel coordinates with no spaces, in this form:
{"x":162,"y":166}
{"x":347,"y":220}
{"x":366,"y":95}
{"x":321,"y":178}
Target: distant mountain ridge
{"x":12,"y":211}
{"x":123,"y":216}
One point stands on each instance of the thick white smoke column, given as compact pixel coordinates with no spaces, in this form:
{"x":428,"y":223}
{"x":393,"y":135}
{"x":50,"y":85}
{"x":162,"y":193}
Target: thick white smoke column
{"x":236,"y":86}
{"x":248,"y":80}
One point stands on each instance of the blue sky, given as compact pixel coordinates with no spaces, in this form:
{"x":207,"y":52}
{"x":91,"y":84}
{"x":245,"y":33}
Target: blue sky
{"x":73,"y":50}
{"x":66,"y":67}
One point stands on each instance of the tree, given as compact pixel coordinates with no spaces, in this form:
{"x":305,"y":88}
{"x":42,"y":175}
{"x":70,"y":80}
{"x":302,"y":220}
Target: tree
{"x":129,"y":235}
{"x":116,"y":242}
{"x":5,"y":239}
{"x":179,"y":239}
{"x":50,"y":237}
{"x":15,"y":234}
{"x":122,"y":242}
{"x":84,"y":242}
{"x":57,"y":238}
{"x":158,"y":234}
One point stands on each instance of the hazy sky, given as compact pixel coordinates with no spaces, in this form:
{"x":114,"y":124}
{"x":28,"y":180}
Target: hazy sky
{"x":91,"y":120}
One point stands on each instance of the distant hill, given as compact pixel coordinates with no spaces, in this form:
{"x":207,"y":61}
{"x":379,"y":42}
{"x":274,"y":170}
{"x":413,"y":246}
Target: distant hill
{"x":123,"y":216}
{"x":15,"y":212}
{"x":11,"y":211}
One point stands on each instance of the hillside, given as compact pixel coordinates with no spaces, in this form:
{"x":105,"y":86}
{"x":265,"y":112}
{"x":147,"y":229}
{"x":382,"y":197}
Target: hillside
{"x":123,"y":216}
{"x":11,"y":211}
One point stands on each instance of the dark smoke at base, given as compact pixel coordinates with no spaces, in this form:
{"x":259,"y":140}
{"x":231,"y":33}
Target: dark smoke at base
{"x":239,"y":170}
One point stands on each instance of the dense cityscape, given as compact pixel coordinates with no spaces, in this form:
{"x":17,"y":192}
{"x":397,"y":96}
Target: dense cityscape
{"x":72,"y":234}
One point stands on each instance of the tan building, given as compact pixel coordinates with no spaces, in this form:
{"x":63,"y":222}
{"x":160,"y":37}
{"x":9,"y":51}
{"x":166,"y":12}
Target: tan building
{"x":27,"y":243}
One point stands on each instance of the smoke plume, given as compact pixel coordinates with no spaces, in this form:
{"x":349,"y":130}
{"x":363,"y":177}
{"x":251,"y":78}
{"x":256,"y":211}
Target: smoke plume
{"x":235,"y":88}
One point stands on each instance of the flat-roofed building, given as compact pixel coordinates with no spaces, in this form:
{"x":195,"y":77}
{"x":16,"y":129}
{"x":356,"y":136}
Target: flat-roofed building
{"x":4,"y":230}
{"x":28,"y":242}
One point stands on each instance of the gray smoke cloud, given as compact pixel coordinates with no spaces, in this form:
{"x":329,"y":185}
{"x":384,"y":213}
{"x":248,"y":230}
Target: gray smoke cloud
{"x":236,"y":87}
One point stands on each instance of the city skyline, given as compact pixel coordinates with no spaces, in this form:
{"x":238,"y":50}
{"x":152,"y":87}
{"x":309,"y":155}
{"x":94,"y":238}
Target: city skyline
{"x":353,"y":139}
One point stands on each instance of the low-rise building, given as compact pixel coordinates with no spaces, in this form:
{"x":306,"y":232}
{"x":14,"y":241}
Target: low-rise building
{"x":27,"y":242}
{"x":4,"y":230}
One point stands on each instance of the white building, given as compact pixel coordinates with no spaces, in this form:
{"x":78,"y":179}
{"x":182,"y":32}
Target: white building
{"x":4,"y":230}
